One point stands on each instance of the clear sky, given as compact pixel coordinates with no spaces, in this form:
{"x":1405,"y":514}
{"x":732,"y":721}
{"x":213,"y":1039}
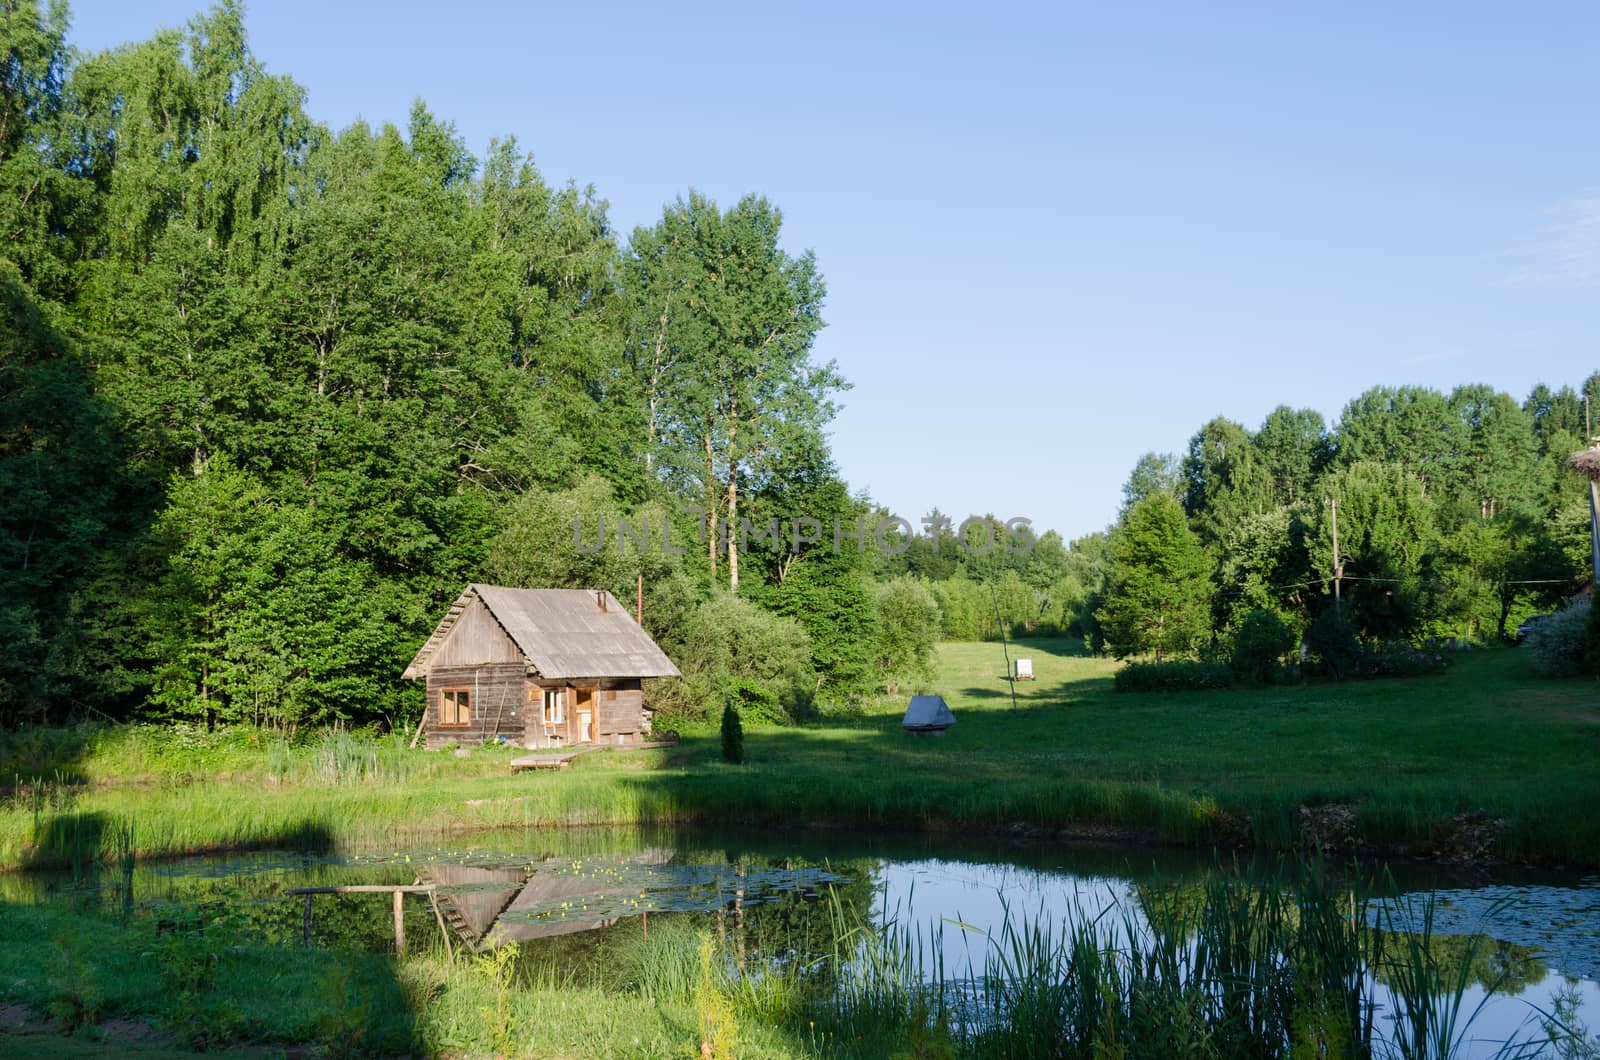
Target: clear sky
{"x":1058,"y":235}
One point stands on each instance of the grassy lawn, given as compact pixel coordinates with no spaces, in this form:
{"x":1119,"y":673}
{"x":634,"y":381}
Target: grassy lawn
{"x":1408,"y":755}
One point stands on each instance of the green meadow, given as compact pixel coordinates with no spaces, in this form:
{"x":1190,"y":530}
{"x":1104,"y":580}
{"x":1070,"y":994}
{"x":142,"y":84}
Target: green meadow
{"x":1484,"y":761}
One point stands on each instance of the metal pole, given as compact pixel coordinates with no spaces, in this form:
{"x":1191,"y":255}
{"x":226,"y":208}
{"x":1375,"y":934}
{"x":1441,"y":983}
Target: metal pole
{"x":1338,"y":568}
{"x":1594,"y":530}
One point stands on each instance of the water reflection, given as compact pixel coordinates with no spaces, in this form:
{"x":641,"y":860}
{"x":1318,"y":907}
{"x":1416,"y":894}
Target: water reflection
{"x":576,"y":897}
{"x":1523,"y":952}
{"x":492,"y":905}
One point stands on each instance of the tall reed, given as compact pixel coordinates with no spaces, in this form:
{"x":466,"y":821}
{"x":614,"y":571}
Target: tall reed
{"x":1283,"y":965}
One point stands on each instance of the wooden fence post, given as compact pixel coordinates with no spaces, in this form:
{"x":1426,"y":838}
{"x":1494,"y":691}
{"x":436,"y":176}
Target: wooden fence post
{"x":399,"y":924}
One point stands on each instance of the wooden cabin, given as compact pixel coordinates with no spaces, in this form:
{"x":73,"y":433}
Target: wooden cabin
{"x":538,"y":667}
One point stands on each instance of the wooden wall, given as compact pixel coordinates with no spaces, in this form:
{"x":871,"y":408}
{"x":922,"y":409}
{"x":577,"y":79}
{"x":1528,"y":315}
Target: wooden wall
{"x":618,"y":706}
{"x":476,"y":638}
{"x":621,"y":709}
{"x":497,"y":693}
{"x":504,"y":692}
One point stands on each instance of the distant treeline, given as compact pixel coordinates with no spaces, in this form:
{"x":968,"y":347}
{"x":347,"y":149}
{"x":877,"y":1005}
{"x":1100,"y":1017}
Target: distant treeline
{"x":1455,"y":516}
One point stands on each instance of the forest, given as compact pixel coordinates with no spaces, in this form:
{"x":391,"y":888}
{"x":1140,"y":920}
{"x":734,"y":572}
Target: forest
{"x":272,"y":393}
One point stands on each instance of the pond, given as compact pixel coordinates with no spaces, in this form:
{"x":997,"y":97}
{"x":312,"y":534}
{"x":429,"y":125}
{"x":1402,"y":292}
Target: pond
{"x":1521,"y":942}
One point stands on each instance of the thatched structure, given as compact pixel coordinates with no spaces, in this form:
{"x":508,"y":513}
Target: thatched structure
{"x":1586,"y":462}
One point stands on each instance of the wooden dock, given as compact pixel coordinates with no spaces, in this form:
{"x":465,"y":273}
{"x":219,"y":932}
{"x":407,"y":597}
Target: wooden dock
{"x":399,"y":891}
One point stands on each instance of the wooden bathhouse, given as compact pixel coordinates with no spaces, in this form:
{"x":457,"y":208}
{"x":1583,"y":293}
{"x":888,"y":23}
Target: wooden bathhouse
{"x":537,"y":667}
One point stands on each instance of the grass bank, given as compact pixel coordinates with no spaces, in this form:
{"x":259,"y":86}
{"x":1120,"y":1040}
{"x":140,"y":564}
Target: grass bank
{"x":1485,"y":760}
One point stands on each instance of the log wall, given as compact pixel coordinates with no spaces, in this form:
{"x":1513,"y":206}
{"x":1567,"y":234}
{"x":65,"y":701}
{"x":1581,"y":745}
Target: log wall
{"x":621,"y":709}
{"x":497,"y":692}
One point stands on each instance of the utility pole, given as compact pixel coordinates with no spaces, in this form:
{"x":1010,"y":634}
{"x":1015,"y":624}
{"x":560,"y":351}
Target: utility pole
{"x":1011,"y":677}
{"x":1338,"y":565}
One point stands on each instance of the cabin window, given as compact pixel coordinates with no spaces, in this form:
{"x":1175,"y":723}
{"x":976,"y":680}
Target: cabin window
{"x":555,"y":711}
{"x":455,"y":708}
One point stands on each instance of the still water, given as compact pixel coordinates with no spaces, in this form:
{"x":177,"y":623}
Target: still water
{"x":1537,"y":934}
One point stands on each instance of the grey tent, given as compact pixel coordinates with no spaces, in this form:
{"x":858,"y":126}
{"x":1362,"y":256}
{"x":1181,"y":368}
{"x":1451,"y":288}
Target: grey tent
{"x":927,"y":714}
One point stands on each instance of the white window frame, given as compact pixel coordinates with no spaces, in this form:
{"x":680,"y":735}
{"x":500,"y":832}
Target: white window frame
{"x":554,"y":697}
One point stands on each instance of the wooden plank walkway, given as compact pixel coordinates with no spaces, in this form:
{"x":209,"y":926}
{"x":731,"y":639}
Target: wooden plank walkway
{"x":545,"y":761}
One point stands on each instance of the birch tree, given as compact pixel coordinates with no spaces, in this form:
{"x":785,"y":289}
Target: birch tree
{"x":724,"y":324}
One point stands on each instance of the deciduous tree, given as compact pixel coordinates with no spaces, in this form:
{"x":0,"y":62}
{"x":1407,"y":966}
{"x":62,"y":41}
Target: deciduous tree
{"x":1158,"y":591}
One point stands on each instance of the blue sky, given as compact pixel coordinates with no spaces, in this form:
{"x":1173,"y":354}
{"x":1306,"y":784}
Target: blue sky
{"x":1055,"y":236}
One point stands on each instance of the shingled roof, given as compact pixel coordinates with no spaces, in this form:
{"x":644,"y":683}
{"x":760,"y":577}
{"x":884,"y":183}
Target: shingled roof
{"x":563,"y":633}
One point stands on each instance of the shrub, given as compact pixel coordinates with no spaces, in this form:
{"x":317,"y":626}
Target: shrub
{"x":1259,"y":644}
{"x":908,"y":629}
{"x":1332,"y":640}
{"x":1399,"y":659}
{"x":1591,"y":645}
{"x":1556,"y":645}
{"x":1173,"y":677}
{"x":732,"y":735}
{"x":754,"y":700}
{"x":835,"y":608}
{"x":729,"y":642}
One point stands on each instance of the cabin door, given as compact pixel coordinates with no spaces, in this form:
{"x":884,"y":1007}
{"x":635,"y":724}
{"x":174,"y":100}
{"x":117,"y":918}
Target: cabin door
{"x":583,"y":710}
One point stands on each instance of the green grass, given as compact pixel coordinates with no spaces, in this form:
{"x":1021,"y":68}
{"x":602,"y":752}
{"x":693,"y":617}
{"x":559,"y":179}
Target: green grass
{"x":1409,"y":756}
{"x":95,"y":985}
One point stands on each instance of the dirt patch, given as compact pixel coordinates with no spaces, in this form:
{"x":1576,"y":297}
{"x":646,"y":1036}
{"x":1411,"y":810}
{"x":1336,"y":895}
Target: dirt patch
{"x":1330,"y":827}
{"x":1472,"y":839}
{"x":126,"y":1037}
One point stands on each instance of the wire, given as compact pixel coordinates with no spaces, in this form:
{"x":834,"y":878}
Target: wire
{"x":1004,"y":647}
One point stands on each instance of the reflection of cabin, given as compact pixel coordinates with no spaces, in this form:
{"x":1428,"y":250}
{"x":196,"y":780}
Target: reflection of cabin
{"x":539,"y":667}
{"x":491,"y":906}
